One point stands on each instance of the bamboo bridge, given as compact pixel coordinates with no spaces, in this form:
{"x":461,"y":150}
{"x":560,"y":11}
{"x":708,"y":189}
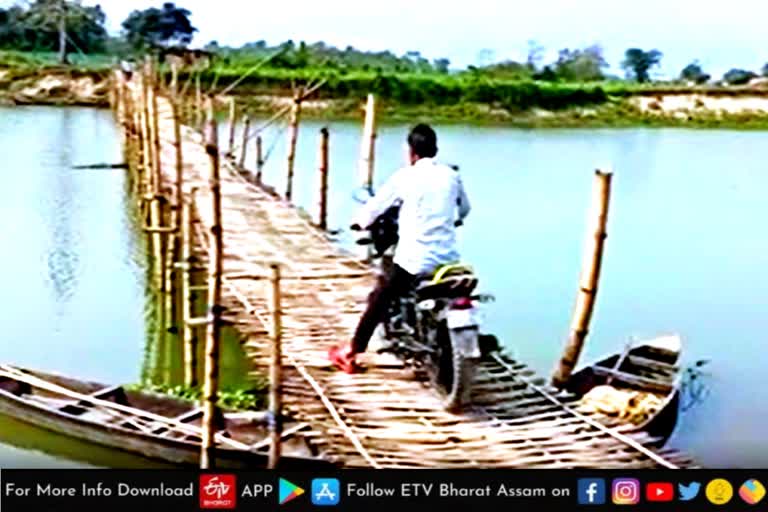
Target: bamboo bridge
{"x":277,"y":277}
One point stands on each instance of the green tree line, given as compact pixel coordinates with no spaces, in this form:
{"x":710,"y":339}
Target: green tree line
{"x":68,"y":25}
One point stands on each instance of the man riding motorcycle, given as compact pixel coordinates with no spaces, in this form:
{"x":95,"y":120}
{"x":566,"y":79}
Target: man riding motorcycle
{"x":428,"y":194}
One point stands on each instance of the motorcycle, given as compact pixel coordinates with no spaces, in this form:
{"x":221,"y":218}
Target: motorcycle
{"x":435,"y":328}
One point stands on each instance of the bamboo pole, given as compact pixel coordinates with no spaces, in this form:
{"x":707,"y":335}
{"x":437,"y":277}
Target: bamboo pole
{"x":150,"y":168}
{"x":367,"y":150}
{"x":146,"y":151}
{"x":210,"y":389}
{"x":259,"y":159}
{"x":590,"y":276}
{"x":156,"y":141}
{"x":293,"y":134}
{"x":198,"y":103}
{"x":275,"y":372}
{"x":243,"y":150}
{"x":177,"y":144}
{"x":189,"y":339}
{"x":232,"y":114}
{"x":322,"y":220}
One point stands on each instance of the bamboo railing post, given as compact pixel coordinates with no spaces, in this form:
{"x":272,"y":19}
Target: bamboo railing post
{"x":232,"y":119}
{"x":293,"y":134}
{"x":367,"y":150}
{"x":210,"y":390}
{"x":174,"y":80}
{"x":244,"y":149}
{"x":590,"y":276}
{"x":322,"y":220}
{"x":275,"y":372}
{"x":259,"y":160}
{"x":189,"y":339}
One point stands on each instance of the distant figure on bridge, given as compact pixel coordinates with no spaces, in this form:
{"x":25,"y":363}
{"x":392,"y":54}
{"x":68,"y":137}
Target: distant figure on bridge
{"x":428,"y":194}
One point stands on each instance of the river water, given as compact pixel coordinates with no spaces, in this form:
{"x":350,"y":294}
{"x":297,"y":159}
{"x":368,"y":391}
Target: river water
{"x":686,"y":253}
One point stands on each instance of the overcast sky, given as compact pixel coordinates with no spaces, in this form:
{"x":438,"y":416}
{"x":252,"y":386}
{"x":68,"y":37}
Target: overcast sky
{"x":720,"y":35}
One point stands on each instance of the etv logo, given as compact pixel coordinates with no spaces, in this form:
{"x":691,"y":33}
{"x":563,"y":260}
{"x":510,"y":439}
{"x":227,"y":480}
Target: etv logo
{"x":218,"y":491}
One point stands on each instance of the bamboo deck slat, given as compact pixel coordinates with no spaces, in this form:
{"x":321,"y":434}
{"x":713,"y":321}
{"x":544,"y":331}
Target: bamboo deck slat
{"x":387,"y":417}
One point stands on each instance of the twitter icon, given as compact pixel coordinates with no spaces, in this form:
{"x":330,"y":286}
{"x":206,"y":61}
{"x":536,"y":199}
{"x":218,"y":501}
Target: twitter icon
{"x":688,"y":492}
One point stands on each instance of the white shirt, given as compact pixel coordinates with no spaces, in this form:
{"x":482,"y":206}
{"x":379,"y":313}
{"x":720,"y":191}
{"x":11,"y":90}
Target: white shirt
{"x":429,"y":193}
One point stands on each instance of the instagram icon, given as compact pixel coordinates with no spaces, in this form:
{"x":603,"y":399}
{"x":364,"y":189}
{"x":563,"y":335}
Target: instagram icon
{"x":625,"y":491}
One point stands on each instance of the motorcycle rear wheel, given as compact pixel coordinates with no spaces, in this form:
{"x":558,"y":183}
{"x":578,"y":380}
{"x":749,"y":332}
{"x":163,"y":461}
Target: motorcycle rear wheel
{"x":454,"y":372}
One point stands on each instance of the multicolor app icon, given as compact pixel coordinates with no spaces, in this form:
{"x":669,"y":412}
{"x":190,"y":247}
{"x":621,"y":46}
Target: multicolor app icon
{"x":752,"y":491}
{"x":625,"y":491}
{"x":288,"y":491}
{"x":719,"y":491}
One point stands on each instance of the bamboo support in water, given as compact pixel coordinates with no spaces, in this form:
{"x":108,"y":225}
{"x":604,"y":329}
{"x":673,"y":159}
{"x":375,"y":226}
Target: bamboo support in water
{"x":588,"y":282}
{"x":244,"y":148}
{"x":210,"y":389}
{"x":259,"y":160}
{"x":367,"y":150}
{"x":275,"y":372}
{"x":322,"y":220}
{"x":189,"y":340}
{"x":232,"y":119}
{"x":293,"y":134}
{"x":155,"y":206}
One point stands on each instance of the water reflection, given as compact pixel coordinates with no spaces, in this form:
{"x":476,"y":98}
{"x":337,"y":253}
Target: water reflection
{"x":60,"y":210}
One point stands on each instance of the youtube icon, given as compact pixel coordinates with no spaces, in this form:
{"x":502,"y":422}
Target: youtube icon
{"x":659,"y":491}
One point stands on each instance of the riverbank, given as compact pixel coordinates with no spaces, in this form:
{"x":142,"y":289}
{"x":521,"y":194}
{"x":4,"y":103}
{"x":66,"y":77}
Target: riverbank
{"x":598,"y":107}
{"x":697,"y":110}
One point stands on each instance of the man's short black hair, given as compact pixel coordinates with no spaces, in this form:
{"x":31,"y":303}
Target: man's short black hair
{"x":423,"y":141}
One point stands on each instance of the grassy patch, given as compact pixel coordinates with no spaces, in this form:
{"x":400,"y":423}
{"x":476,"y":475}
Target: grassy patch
{"x":253,"y":398}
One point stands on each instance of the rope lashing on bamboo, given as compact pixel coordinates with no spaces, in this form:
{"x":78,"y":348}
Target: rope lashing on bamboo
{"x":586,"y":419}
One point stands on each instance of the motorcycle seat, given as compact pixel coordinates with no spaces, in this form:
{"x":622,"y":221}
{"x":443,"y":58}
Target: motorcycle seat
{"x":448,"y":281}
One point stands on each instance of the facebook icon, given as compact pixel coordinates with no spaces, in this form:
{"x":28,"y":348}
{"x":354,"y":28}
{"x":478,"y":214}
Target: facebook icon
{"x":591,"y":491}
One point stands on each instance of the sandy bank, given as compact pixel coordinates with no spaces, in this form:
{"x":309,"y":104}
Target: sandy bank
{"x":700,"y":103}
{"x":55,"y":89}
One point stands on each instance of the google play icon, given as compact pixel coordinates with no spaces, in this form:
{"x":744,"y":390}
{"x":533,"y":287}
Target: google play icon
{"x":288,"y":491}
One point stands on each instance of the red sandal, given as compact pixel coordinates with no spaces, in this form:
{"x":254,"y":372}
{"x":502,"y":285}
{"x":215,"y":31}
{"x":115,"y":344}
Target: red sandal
{"x":343,"y":359}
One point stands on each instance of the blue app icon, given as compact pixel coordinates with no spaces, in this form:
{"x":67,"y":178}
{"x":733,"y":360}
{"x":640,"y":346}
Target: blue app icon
{"x":688,"y":492}
{"x":591,"y":491}
{"x":325,"y":491}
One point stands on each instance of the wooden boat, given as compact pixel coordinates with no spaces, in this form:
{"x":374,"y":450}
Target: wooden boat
{"x":644,"y":377}
{"x":147,"y":424}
